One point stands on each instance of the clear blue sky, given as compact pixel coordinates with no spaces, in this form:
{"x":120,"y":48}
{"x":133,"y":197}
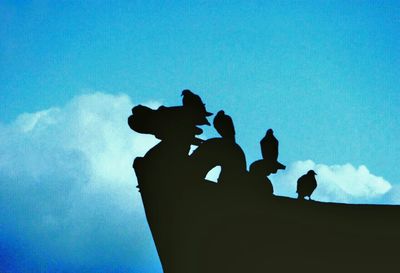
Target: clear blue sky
{"x":324,"y":74}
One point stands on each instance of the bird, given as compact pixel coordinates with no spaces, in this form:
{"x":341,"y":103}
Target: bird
{"x":270,"y":150}
{"x":192,"y":101}
{"x":269,"y":146}
{"x":306,"y":185}
{"x":224,"y":125}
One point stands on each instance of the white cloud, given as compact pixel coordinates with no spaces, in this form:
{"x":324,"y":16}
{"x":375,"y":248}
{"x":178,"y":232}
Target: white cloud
{"x":68,"y":196}
{"x":336,"y":183}
{"x":27,"y":121}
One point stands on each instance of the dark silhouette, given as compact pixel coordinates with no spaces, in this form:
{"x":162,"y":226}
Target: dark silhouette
{"x":238,"y":225}
{"x":166,"y":123}
{"x":224,"y":125}
{"x":270,"y":148}
{"x":194,"y":105}
{"x":219,"y":152}
{"x":261,"y":169}
{"x":258,"y":172}
{"x":306,"y":185}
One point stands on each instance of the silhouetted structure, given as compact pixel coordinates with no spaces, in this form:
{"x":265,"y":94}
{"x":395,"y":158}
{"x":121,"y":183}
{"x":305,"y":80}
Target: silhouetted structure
{"x":238,"y":225}
{"x":224,"y":125}
{"x":306,"y":185}
{"x":258,"y":174}
{"x":219,"y":152}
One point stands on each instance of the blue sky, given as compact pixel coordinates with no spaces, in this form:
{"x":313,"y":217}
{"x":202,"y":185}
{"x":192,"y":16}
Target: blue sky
{"x":324,"y":74}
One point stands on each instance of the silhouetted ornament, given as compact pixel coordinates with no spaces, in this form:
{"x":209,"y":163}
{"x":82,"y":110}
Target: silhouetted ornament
{"x":143,"y":120}
{"x":167,"y":123}
{"x":265,"y":167}
{"x":219,"y":152}
{"x":258,"y":174}
{"x":237,"y":225}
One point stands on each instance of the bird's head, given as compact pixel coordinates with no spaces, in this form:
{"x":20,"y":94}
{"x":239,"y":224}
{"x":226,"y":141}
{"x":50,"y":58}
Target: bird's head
{"x":221,"y":113}
{"x":270,"y":131}
{"x":186,"y":92}
{"x":311,"y":172}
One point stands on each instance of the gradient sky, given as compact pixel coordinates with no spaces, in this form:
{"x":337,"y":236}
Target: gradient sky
{"x":323,"y":74}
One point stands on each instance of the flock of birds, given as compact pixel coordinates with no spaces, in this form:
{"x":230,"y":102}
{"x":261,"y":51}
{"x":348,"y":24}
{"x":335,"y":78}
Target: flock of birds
{"x":223,"y":124}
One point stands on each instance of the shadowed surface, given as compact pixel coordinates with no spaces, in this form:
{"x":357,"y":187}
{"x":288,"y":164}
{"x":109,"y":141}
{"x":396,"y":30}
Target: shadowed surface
{"x":237,"y":226}
{"x":204,"y":227}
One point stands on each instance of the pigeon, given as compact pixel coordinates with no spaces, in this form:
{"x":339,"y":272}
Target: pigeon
{"x":306,"y":185}
{"x":269,"y":149}
{"x":193,"y":102}
{"x":224,"y":125}
{"x":269,"y":146}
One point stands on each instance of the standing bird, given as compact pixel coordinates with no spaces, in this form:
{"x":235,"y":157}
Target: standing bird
{"x":269,"y":146}
{"x":306,"y":185}
{"x":224,"y":125}
{"x":195,"y":108}
{"x":192,"y":101}
{"x":270,"y":149}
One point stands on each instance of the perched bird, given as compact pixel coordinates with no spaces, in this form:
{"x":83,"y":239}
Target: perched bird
{"x":306,"y":185}
{"x":269,"y":146}
{"x":192,"y":101}
{"x":270,"y":149}
{"x":224,"y":125}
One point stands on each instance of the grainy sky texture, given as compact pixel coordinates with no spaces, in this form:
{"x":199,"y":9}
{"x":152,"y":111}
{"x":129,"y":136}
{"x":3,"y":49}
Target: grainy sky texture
{"x":323,"y":74}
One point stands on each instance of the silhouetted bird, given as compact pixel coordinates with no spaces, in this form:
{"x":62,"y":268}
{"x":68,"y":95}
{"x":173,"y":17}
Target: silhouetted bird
{"x":270,"y":149}
{"x":306,"y":185}
{"x":195,"y":108}
{"x":269,"y":146}
{"x":193,"y":101}
{"x":224,"y":125}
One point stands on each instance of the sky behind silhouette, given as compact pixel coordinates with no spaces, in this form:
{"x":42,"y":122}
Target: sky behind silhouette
{"x":324,"y":75}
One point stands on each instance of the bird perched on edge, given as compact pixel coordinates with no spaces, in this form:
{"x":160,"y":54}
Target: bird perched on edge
{"x":269,"y":146}
{"x":270,"y":149}
{"x":306,"y":185}
{"x":224,"y":125}
{"x":192,"y":101}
